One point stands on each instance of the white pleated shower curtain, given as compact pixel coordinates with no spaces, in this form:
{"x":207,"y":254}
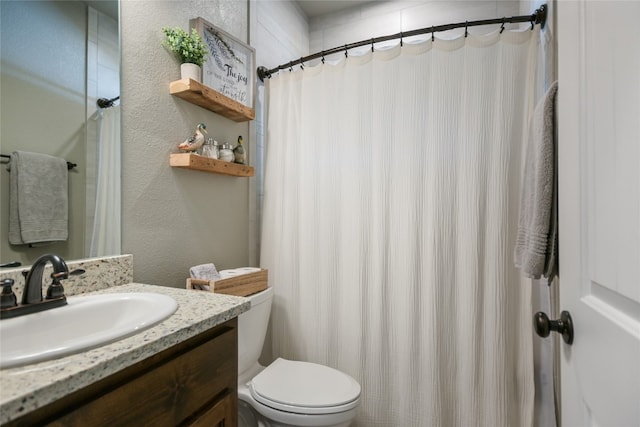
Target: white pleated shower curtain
{"x":106,"y":238}
{"x":390,"y":209}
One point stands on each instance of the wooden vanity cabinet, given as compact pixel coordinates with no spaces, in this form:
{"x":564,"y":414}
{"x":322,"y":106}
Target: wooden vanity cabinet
{"x":193,"y":383}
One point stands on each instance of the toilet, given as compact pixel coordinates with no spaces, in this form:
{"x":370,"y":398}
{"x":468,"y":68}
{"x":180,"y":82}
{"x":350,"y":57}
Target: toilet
{"x":287,"y":393}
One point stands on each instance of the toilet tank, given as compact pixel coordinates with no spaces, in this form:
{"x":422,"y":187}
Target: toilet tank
{"x":252,"y":328}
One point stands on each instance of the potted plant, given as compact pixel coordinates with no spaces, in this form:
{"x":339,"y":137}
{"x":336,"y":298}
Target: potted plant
{"x":188,"y":48}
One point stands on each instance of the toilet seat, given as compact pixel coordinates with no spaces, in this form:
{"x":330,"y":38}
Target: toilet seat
{"x":305,"y":388}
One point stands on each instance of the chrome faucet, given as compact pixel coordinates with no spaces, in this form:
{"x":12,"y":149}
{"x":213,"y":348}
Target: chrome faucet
{"x":32,"y":300}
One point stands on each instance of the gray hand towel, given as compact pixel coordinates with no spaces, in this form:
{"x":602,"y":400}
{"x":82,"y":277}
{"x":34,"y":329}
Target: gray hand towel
{"x":536,"y":242}
{"x":38,"y":199}
{"x":204,"y":271}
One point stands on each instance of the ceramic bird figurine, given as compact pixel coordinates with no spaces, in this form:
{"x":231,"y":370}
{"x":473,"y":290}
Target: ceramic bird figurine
{"x":195,"y":141}
{"x":238,"y":152}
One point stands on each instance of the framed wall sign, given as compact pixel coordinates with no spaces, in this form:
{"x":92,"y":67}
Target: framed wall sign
{"x":230,"y":67}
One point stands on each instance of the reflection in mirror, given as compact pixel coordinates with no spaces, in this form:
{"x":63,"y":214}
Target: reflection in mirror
{"x":58,"y":59}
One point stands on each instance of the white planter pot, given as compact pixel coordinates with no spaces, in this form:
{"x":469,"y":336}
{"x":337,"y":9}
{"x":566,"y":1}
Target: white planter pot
{"x":190,"y":71}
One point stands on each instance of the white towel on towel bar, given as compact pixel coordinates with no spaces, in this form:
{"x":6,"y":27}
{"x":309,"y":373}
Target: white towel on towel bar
{"x":38,"y":199}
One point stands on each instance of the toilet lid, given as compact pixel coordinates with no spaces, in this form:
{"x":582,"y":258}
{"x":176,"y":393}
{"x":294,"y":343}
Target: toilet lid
{"x":305,"y":388}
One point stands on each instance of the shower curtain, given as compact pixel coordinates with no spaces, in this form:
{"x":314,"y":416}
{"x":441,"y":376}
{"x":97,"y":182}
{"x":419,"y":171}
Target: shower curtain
{"x":390,"y":209}
{"x":106,"y":239}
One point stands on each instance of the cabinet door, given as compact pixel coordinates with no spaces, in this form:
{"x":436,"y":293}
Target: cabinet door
{"x":188,"y":384}
{"x":223,"y":413}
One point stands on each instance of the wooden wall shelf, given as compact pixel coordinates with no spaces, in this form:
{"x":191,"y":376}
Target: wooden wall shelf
{"x":207,"y":98}
{"x":207,"y":164}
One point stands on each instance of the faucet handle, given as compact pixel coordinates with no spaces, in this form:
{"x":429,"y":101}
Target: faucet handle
{"x":59,"y":276}
{"x":7,"y":297}
{"x":56,"y":290}
{"x":65,"y":274}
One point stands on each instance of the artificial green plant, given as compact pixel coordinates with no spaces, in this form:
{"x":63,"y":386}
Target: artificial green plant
{"x":188,"y":48}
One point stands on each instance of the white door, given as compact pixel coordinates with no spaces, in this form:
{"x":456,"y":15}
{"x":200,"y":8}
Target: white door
{"x":599,"y":202}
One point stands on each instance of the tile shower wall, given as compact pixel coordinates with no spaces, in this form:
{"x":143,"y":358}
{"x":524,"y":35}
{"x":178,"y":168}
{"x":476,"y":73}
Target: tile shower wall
{"x":390,"y":17}
{"x":279,"y":32}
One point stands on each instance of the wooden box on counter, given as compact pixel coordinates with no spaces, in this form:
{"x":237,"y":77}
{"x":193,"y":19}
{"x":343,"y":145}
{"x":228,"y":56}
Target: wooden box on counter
{"x":241,"y":285}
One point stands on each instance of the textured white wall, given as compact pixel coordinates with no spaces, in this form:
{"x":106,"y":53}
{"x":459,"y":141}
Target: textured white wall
{"x":173,"y":218}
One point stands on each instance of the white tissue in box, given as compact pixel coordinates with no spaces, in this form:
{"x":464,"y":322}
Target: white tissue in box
{"x":225,"y":274}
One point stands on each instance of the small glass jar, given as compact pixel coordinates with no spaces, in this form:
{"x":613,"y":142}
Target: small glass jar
{"x":226,"y":153}
{"x":210,"y":149}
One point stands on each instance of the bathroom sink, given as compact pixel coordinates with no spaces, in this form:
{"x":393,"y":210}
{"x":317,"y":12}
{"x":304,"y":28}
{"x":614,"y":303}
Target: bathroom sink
{"x":86,"y":322}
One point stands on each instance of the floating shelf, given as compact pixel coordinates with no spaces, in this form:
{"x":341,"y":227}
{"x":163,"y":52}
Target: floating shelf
{"x":212,"y":100}
{"x":207,"y":164}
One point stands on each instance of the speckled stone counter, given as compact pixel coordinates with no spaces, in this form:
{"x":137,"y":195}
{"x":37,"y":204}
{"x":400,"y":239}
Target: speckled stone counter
{"x":24,"y":389}
{"x":100,"y":273}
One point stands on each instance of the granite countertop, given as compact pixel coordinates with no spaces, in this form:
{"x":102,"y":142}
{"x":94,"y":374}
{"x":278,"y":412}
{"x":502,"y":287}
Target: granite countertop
{"x":24,"y":389}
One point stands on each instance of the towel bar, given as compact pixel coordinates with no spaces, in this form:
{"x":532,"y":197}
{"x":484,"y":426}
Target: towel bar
{"x":69,"y":164}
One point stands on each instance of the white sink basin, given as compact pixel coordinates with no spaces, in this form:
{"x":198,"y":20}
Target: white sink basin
{"x":86,"y":322}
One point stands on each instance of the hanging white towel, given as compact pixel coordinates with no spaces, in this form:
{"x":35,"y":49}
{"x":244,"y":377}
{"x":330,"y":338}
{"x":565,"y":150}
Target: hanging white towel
{"x":536,"y":242}
{"x":38,"y":199}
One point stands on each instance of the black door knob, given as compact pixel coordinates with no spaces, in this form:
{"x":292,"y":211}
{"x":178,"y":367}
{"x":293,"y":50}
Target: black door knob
{"x":564,"y":325}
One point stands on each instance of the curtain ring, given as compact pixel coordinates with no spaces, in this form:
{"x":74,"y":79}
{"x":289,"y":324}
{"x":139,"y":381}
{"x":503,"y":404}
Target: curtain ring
{"x":502,"y":27}
{"x":290,"y":66}
{"x":433,"y":35}
{"x":322,"y":57}
{"x":346,"y":54}
{"x":532,"y":24}
{"x":372,"y":45}
{"x":401,"y":36}
{"x":301,"y":64}
{"x":466,"y":29}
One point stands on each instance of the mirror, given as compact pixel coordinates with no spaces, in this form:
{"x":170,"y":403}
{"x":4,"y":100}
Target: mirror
{"x":58,"y":58}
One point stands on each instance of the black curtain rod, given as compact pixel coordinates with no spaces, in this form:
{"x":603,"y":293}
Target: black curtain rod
{"x":69,"y":164}
{"x":538,"y":17}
